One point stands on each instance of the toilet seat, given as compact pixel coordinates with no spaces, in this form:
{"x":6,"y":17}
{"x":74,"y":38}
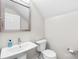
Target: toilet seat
{"x":49,"y":53}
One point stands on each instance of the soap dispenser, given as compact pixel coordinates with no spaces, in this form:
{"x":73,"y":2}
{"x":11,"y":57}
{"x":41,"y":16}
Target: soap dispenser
{"x":10,"y":43}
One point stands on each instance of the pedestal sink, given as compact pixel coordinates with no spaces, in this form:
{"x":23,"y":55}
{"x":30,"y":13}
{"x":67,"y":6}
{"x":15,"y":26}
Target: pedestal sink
{"x":17,"y":50}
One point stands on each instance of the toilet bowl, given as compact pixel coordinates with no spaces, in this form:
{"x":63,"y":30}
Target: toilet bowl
{"x":49,"y":54}
{"x":45,"y":53}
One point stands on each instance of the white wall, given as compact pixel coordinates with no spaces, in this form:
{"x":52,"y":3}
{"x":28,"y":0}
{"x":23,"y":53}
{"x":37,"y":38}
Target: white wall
{"x":35,"y":34}
{"x":61,"y":33}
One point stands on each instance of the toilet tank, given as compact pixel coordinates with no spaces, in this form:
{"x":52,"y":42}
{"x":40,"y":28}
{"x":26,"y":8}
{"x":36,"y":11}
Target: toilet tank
{"x":41,"y":45}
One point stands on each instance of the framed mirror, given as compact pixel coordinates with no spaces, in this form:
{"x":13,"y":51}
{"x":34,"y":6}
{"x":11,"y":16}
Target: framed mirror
{"x":17,"y":15}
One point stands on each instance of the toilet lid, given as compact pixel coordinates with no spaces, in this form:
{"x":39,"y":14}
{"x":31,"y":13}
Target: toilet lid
{"x":49,"y":53}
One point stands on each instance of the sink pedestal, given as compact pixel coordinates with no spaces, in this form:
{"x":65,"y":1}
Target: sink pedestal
{"x":24,"y":56}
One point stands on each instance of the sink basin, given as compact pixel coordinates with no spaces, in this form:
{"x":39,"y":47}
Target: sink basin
{"x":16,"y":49}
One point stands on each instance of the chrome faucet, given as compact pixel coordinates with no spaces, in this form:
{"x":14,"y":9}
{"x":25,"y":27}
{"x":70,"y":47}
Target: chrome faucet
{"x":19,"y":42}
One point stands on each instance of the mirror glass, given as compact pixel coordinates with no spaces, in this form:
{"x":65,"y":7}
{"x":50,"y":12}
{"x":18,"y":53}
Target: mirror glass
{"x":17,"y":15}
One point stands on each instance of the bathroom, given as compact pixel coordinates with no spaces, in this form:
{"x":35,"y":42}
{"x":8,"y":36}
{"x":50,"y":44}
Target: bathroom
{"x":55,"y":21}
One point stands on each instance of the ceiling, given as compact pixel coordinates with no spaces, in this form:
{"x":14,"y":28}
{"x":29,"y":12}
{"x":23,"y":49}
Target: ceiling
{"x":51,"y":8}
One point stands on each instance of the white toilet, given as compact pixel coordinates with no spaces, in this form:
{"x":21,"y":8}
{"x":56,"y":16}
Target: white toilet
{"x":46,"y":53}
